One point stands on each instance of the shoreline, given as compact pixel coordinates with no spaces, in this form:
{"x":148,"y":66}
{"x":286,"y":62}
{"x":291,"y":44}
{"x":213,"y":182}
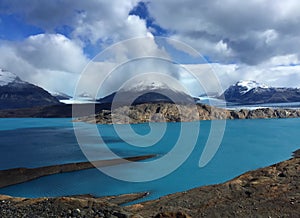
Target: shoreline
{"x":268,"y":191}
{"x":148,"y":112}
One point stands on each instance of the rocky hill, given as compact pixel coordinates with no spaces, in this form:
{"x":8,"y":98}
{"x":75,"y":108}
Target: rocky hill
{"x":251,"y":92}
{"x":16,"y":93}
{"x":167,"y":112}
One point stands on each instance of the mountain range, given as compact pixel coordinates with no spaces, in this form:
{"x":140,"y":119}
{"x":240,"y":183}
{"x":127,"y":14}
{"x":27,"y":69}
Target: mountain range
{"x":16,"y":93}
{"x":252,"y":92}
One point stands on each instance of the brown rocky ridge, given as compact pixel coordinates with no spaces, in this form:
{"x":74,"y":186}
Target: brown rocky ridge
{"x":272,"y":191}
{"x":168,"y":112}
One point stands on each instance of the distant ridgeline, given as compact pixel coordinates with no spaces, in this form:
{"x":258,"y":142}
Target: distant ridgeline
{"x":251,"y":92}
{"x":155,"y":104}
{"x":152,"y":102}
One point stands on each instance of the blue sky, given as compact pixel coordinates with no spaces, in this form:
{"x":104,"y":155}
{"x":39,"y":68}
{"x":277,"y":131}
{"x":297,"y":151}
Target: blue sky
{"x":243,"y":40}
{"x":13,"y":28}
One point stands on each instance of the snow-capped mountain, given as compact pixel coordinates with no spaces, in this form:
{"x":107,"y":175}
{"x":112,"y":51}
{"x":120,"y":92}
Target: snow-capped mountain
{"x":149,"y":85}
{"x":247,"y":85}
{"x":251,"y":92}
{"x":149,"y":92}
{"x":16,"y":93}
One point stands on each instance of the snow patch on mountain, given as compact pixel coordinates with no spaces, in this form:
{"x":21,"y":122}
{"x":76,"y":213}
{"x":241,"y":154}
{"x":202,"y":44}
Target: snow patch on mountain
{"x":249,"y":85}
{"x":7,"y":77}
{"x":152,"y":85}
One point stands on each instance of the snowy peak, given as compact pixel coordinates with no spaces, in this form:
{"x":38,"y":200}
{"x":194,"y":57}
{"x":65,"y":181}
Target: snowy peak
{"x":16,"y":93}
{"x":7,"y":77}
{"x":247,"y":85}
{"x":151,"y":85}
{"x":251,"y":92}
{"x":60,"y":95}
{"x":148,"y":91}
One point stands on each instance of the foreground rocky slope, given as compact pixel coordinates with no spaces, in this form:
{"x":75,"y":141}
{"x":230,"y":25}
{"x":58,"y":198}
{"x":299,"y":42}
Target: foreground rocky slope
{"x":267,"y":192}
{"x":167,"y":112}
{"x":81,"y":206}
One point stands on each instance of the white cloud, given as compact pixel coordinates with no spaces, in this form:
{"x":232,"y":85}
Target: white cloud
{"x":262,"y":39}
{"x":51,"y":51}
{"x":46,"y":58}
{"x":249,"y":32}
{"x":210,"y":74}
{"x":123,"y":61}
{"x":49,"y":60}
{"x":290,"y":59}
{"x":93,"y":20}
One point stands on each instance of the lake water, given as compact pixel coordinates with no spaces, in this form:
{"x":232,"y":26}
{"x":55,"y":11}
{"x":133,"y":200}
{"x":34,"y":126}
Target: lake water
{"x":247,"y":145}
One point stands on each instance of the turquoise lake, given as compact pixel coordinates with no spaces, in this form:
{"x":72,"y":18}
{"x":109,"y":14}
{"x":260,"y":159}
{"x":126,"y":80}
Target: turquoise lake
{"x":33,"y":142}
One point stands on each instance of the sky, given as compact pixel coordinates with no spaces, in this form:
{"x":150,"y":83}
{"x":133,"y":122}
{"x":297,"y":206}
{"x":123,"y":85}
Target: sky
{"x":50,"y":43}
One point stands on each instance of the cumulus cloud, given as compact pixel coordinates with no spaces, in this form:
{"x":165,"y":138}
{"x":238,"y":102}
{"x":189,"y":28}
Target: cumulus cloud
{"x":51,"y":51}
{"x":246,"y":31}
{"x":215,"y":77}
{"x":89,"y":21}
{"x":46,"y":58}
{"x":255,"y":40}
{"x":50,"y":60}
{"x":108,"y":71}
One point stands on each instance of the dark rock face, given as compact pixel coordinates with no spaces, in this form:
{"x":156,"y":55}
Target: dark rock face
{"x":260,"y":95}
{"x":20,"y":94}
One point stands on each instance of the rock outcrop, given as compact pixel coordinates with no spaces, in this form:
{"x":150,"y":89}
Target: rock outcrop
{"x":167,"y":112}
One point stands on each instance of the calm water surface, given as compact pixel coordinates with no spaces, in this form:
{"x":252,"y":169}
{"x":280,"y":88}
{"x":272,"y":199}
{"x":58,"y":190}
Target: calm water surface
{"x":247,"y":145}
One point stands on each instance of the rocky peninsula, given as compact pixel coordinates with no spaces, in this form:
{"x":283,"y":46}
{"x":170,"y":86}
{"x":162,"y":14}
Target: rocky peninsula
{"x":168,"y":112}
{"x":19,"y":175}
{"x":266,"y":192}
